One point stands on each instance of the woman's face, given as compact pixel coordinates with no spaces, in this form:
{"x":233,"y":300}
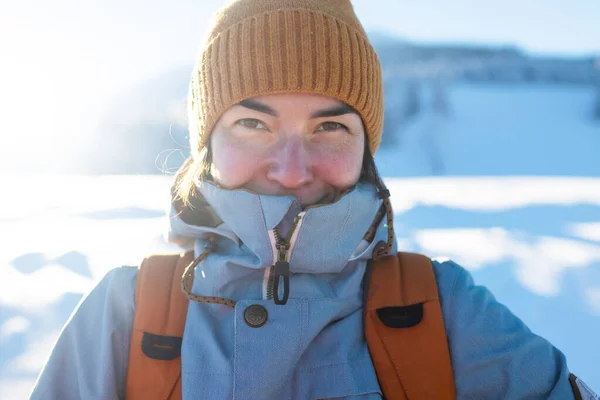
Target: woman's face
{"x":304,"y":145}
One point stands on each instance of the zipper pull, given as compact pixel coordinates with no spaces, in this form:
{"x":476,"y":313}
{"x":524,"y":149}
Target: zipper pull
{"x":281,"y":269}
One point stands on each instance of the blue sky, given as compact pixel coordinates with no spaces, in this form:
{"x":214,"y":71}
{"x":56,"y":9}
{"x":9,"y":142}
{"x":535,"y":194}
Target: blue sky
{"x":122,"y":40}
{"x":546,"y":26}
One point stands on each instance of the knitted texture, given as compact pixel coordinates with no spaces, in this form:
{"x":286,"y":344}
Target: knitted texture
{"x":258,"y":47}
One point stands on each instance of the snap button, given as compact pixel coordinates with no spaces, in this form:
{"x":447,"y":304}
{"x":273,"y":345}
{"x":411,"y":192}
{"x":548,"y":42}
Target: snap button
{"x":256,"y":316}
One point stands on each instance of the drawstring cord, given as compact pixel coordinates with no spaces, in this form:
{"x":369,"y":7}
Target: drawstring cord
{"x":188,"y":279}
{"x":382,"y":248}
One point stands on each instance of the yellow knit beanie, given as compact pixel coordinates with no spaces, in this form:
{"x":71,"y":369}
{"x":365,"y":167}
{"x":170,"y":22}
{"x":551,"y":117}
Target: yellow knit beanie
{"x":258,"y":47}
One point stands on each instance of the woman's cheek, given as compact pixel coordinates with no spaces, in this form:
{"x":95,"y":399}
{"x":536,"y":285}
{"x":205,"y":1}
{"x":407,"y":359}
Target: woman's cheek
{"x":339,"y":164}
{"x":233,"y":167}
{"x":338,"y":170}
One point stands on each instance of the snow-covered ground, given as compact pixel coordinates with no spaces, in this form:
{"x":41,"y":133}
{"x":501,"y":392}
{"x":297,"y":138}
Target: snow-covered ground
{"x":534,"y":241}
{"x":518,"y":204}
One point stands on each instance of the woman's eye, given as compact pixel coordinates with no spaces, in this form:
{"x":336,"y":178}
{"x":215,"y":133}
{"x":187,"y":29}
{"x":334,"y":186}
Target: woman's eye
{"x":251,"y":123}
{"x":330,"y":126}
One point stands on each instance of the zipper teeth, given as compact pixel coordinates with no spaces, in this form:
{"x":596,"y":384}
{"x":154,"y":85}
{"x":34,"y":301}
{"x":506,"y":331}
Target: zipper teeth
{"x":293,"y":234}
{"x":279,"y":243}
{"x":270,"y":284}
{"x":278,"y":239}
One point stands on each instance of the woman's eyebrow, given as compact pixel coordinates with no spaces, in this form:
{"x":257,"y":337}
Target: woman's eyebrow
{"x":257,"y":106}
{"x":334,"y":111}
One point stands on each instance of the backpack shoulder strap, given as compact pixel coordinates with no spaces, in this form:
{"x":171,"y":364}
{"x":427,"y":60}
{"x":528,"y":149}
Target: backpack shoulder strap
{"x":154,"y":369}
{"x":404,"y":328}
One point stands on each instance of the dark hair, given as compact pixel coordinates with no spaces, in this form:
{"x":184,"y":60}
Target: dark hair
{"x":369,"y":172}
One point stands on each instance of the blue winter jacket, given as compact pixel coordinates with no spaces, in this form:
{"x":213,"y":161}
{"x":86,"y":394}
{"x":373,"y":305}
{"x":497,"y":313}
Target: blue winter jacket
{"x":312,"y":347}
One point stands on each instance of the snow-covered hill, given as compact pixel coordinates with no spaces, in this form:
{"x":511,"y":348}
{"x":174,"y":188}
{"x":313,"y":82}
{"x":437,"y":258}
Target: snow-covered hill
{"x":498,"y":130}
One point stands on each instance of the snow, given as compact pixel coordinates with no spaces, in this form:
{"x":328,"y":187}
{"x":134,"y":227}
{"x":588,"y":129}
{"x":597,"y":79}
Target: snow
{"x":511,"y":192}
{"x":501,"y":130}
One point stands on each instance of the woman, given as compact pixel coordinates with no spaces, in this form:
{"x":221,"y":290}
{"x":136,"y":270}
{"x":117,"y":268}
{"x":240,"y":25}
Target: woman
{"x":285,"y":111}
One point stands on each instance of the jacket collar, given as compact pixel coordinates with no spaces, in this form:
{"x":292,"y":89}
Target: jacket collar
{"x":328,"y":237}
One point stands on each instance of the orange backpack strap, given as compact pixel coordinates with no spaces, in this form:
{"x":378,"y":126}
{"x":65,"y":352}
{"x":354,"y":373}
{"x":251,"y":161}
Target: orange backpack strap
{"x":154,"y":370}
{"x":405,"y":331}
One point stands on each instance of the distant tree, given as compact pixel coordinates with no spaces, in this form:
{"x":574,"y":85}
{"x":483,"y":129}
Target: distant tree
{"x":393,"y":116}
{"x":440,"y":97}
{"x":597,"y":105}
{"x":412,"y":103}
{"x":529,"y":74}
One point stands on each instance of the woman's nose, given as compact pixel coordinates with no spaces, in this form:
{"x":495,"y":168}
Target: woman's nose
{"x":291,"y":166}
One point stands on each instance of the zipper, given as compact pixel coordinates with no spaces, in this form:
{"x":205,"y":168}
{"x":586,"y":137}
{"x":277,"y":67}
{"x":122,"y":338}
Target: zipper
{"x":280,"y":270}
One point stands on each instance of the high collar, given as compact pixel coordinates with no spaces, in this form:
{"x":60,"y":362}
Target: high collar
{"x":329,"y":235}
